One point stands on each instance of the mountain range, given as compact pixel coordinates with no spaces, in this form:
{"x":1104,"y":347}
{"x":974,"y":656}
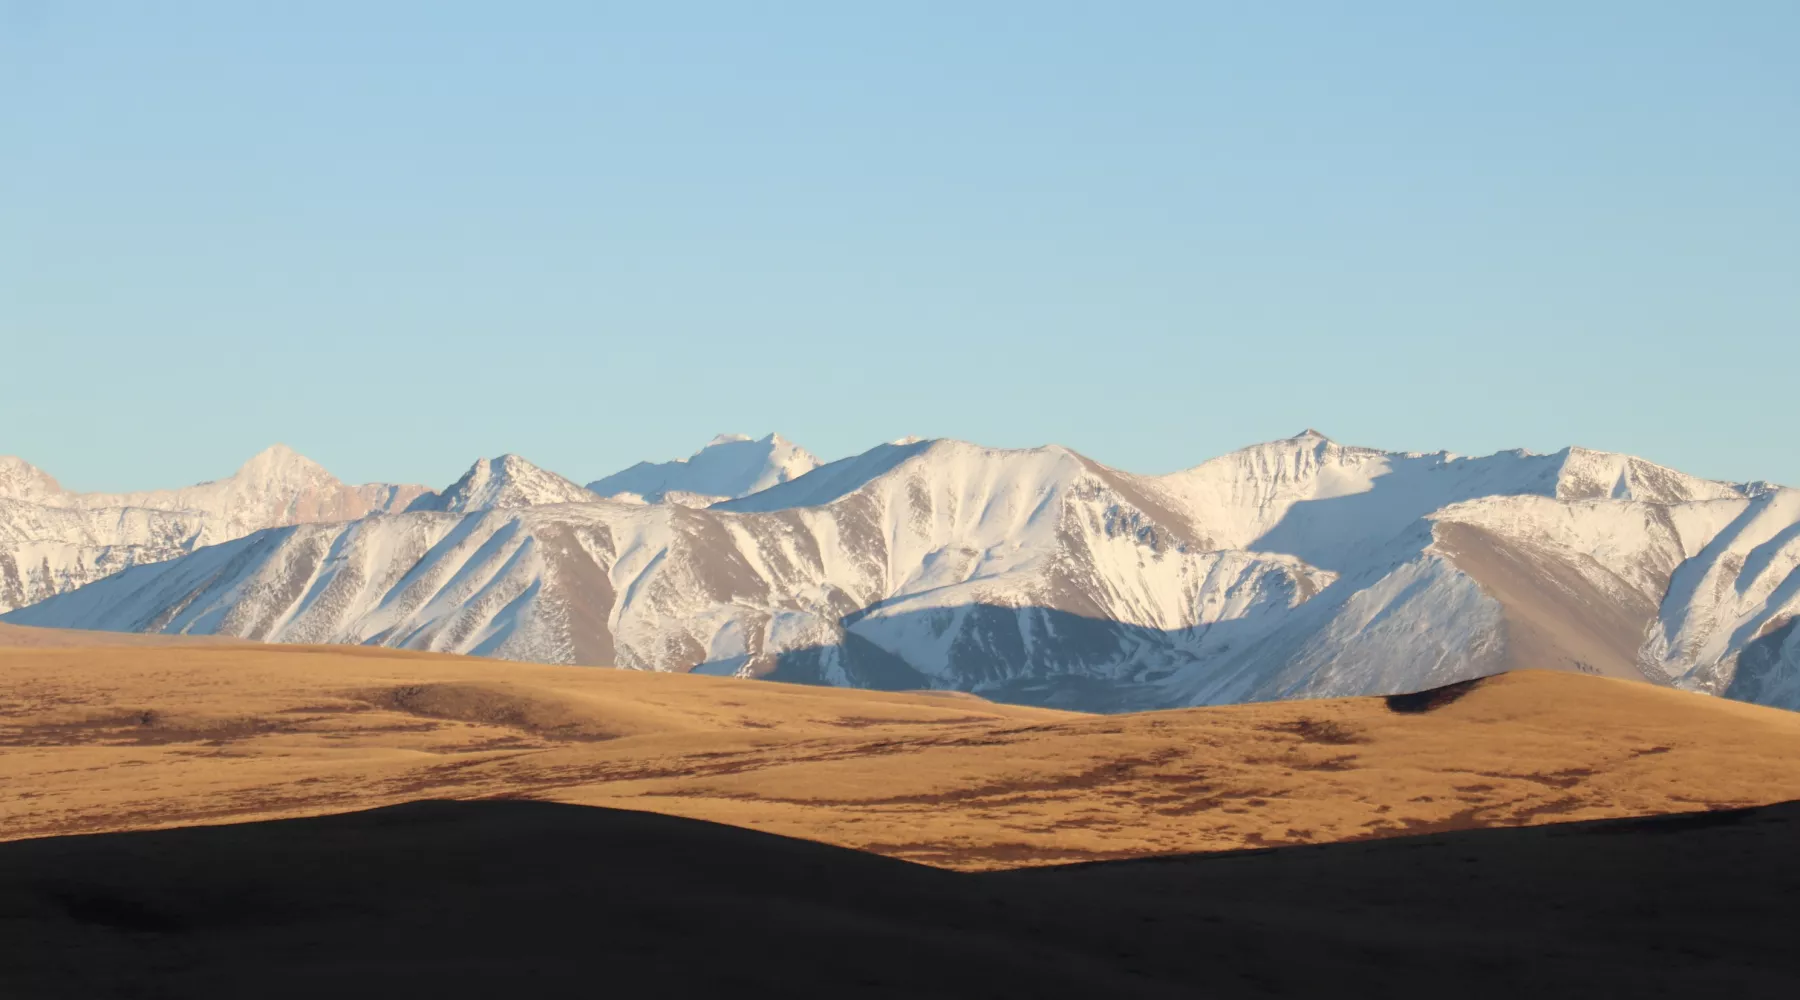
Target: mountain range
{"x":53,"y":540}
{"x":1295,"y":568}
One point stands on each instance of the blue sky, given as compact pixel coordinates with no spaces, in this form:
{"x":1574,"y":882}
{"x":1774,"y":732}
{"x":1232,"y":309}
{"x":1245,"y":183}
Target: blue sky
{"x":402,"y":237}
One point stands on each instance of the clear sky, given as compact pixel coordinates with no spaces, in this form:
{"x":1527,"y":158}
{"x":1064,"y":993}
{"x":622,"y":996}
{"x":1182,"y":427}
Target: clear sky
{"x":401,"y":235}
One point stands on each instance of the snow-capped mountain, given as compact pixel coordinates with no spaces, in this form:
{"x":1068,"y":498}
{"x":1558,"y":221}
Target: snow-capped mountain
{"x":731,"y":465}
{"x":507,"y":481}
{"x":22,"y":481}
{"x":276,"y":486}
{"x":1299,"y":567}
{"x":53,"y":540}
{"x":47,"y":550}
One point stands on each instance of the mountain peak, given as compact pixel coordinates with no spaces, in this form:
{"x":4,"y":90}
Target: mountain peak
{"x":279,"y":462}
{"x":276,"y":454}
{"x":833,"y":480}
{"x":731,"y":465}
{"x":20,"y":480}
{"x":506,"y":481}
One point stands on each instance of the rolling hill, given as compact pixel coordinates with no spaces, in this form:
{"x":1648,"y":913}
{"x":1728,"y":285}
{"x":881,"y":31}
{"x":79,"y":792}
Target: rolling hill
{"x":170,"y":733}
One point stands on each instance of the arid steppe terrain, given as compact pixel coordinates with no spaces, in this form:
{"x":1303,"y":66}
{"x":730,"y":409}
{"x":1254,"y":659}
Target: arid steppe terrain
{"x":144,"y":733}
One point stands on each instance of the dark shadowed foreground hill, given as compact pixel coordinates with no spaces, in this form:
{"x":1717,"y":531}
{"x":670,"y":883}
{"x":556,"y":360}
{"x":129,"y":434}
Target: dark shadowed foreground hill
{"x":512,"y":898}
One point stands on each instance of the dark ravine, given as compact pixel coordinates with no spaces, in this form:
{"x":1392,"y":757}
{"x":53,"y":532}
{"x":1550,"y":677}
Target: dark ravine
{"x":490,"y":898}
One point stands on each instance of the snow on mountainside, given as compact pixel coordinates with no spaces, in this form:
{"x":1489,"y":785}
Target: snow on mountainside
{"x":1726,"y":623}
{"x":507,"y":481}
{"x":277,"y":486}
{"x":20,"y":480}
{"x":47,"y":550}
{"x":830,"y":481}
{"x":1596,"y":475}
{"x":731,"y":465}
{"x":53,"y":540}
{"x":1298,"y":567}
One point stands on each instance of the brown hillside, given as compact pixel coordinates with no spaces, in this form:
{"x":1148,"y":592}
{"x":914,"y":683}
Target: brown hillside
{"x":165,"y":734}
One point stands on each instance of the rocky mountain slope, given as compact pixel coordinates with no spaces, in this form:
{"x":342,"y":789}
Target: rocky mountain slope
{"x":1299,"y":567}
{"x":731,"y":465}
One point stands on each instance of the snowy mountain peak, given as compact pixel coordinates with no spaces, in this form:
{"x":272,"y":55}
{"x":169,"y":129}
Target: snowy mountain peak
{"x":53,"y":540}
{"x":731,"y":465}
{"x":20,"y":480}
{"x":1594,"y":475}
{"x":830,"y":481}
{"x":507,"y":481}
{"x":279,"y":464}
{"x":277,"y":454}
{"x":955,"y":471}
{"x":1288,"y":460}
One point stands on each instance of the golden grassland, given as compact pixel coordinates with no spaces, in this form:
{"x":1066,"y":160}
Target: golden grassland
{"x":140,"y":733}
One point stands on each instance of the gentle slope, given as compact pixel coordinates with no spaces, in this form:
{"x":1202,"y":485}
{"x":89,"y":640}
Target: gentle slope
{"x":165,"y":735}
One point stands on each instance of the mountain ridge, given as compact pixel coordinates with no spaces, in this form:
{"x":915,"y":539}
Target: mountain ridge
{"x":729,"y":466}
{"x":54,"y":540}
{"x":1293,"y":568}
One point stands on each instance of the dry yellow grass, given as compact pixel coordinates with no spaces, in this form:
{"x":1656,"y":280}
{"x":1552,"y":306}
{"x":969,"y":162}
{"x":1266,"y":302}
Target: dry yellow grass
{"x":97,"y":738}
{"x":26,"y":637}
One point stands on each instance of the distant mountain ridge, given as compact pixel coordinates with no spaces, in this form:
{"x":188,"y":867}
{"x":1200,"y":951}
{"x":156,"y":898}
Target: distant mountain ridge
{"x":730,"y":466}
{"x":276,"y":486}
{"x":53,"y":540}
{"x":1298,"y":567}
